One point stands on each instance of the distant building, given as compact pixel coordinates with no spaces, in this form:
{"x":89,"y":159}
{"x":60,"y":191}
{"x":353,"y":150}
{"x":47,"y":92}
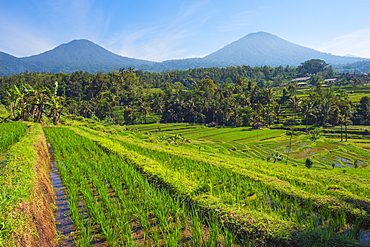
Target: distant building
{"x":213,"y":124}
{"x":301,"y":84}
{"x":302,"y":79}
{"x":257,"y":125}
{"x":332,"y":79}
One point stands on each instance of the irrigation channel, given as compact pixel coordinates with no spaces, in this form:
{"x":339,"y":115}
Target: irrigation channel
{"x":64,"y":224}
{"x":111,"y":203}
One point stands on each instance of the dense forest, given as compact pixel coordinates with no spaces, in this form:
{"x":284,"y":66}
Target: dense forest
{"x":356,"y":67}
{"x":232,"y":96}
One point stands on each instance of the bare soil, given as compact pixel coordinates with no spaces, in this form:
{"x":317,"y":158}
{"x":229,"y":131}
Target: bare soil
{"x":38,"y":210}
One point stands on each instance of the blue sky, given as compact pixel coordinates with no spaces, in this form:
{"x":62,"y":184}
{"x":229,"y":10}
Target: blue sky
{"x":158,"y":30}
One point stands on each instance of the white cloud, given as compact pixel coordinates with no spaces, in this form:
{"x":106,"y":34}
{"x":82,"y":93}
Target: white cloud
{"x":355,"y":43}
{"x":161,"y":41}
{"x":186,"y":12}
{"x":238,"y":21}
{"x":22,"y":39}
{"x":152,"y":43}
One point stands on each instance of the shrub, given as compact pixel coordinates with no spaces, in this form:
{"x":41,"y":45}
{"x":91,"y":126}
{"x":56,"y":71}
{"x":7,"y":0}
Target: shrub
{"x":309,"y":163}
{"x":355,"y":164}
{"x":315,"y":134}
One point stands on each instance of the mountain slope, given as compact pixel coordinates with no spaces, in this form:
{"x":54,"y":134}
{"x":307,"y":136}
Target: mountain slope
{"x":255,"y":49}
{"x":258,"y":49}
{"x":10,"y":65}
{"x":81,"y":55}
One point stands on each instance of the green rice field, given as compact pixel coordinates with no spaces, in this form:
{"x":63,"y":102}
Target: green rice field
{"x":228,"y":176}
{"x":191,"y":185}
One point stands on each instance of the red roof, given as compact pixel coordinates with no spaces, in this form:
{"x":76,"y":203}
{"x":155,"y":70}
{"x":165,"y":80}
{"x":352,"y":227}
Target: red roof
{"x":257,"y":124}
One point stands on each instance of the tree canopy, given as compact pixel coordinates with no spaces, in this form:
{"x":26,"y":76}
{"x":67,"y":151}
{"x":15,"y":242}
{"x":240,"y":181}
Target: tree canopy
{"x":235,"y":96}
{"x":312,"y":67}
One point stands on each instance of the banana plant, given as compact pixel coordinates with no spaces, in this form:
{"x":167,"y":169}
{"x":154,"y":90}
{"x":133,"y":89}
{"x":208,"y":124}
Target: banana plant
{"x":28,"y":102}
{"x":16,"y":102}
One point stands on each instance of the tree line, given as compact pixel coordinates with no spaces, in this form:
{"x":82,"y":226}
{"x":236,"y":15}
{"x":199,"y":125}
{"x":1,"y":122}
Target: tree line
{"x":233,"y":96}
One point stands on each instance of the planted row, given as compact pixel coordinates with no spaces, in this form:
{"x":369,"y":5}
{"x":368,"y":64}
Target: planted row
{"x":302,"y":188}
{"x":10,"y":133}
{"x":238,"y":186}
{"x":111,"y":199}
{"x":258,"y":195}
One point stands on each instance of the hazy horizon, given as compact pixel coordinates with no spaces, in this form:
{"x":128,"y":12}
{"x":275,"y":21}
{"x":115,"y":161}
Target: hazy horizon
{"x":166,"y":30}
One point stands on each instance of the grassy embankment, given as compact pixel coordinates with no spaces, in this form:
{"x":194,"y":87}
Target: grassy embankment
{"x":26,"y":197}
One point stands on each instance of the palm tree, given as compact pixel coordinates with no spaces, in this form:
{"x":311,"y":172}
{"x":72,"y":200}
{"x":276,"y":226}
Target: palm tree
{"x":326,"y":105}
{"x":294,"y":102}
{"x":292,"y":88}
{"x":278,"y":110}
{"x":190,"y":110}
{"x":307,"y":107}
{"x":144,"y":108}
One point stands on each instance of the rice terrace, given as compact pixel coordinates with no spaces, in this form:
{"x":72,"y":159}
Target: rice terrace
{"x":130,"y":158}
